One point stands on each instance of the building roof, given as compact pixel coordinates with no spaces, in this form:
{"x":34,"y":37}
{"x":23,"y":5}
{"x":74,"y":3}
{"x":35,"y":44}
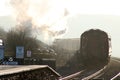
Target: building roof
{"x":18,"y":69}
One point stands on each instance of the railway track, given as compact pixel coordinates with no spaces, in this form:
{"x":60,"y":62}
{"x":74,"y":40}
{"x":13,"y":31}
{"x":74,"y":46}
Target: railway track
{"x":116,"y":77}
{"x":93,"y":74}
{"x":85,"y":74}
{"x":99,"y":72}
{"x":106,"y":70}
{"x":72,"y":76}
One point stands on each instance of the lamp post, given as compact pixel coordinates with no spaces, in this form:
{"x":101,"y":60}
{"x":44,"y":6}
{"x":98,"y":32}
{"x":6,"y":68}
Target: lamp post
{"x":1,"y":42}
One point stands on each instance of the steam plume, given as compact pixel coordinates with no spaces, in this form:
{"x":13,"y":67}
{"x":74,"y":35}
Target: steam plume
{"x":41,"y":16}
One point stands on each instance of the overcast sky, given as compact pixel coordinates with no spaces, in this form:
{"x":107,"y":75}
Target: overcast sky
{"x":83,"y":15}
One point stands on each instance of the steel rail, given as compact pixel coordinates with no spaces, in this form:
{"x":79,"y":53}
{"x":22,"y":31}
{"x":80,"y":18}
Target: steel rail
{"x":118,"y":73}
{"x":115,"y":76}
{"x":94,"y":74}
{"x":72,"y":75}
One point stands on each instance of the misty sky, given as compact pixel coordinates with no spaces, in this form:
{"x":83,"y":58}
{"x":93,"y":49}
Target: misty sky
{"x":83,"y":15}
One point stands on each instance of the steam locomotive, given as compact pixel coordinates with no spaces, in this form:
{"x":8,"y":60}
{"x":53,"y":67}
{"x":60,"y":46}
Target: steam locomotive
{"x":94,"y":46}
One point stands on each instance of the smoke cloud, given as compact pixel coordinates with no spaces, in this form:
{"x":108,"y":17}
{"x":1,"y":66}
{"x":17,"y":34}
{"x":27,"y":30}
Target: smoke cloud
{"x":45,"y":18}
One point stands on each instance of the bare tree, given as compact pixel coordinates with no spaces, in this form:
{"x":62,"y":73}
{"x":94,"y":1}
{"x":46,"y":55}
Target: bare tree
{"x":2,"y":33}
{"x":20,"y":37}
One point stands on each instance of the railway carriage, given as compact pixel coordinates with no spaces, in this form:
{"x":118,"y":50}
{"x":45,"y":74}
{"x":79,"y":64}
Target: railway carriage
{"x":94,"y":46}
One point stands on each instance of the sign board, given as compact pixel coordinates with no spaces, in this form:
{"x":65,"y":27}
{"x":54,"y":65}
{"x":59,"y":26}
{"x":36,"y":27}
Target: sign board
{"x":1,"y":52}
{"x":29,"y":53}
{"x":19,"y":52}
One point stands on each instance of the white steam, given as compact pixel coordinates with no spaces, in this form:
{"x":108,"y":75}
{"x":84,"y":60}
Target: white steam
{"x":43,"y":17}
